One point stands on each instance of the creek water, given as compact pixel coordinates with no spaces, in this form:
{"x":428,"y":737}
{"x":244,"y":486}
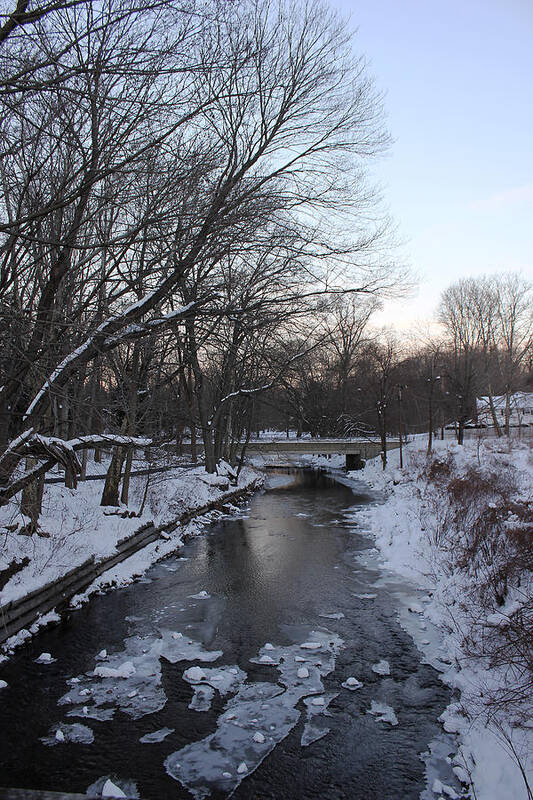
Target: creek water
{"x":248,"y":721}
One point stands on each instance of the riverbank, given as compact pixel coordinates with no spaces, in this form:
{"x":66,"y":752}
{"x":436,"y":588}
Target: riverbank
{"x":459,"y":524}
{"x":74,"y":528}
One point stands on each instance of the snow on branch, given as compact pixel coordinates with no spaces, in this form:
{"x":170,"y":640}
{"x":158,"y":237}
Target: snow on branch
{"x":11,"y":451}
{"x":52,"y":451}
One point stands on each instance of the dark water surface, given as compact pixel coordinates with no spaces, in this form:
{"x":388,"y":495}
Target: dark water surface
{"x":270,"y":575}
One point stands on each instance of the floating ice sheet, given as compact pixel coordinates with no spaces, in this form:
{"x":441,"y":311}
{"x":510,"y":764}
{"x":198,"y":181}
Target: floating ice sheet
{"x":202,"y":698}
{"x":382,"y":713}
{"x":106,"y":784}
{"x":257,"y":717}
{"x":381,"y":668}
{"x":156,"y":736}
{"x":131,"y":680}
{"x":315,"y":706}
{"x":59,"y":734}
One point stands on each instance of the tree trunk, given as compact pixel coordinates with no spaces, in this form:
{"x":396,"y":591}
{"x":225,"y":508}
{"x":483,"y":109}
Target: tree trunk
{"x":493,"y":414}
{"x":32,"y":498}
{"x":430,"y":420}
{"x":507,"y":410}
{"x":112,"y":480}
{"x":127,"y":475}
{"x":84,"y":458}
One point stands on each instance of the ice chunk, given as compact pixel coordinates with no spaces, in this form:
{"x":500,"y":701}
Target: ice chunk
{"x":111,"y":785}
{"x":125,"y":670}
{"x":268,"y":646}
{"x":318,"y":701}
{"x":202,"y":697}
{"x":203,"y":595}
{"x":223,"y":679}
{"x":156,"y":736}
{"x":92,"y":712}
{"x":303,"y":672}
{"x":44,"y":658}
{"x":382,"y":713}
{"x":367,"y":596}
{"x":102,"y":655}
{"x":381,"y":668}
{"x":69,"y":733}
{"x":194,"y":675}
{"x":336,"y":615}
{"x":212,"y":764}
{"x":312,"y":733}
{"x":242,"y":768}
{"x":139,"y":690}
{"x":311,"y":645}
{"x":3,"y":684}
{"x":352,"y":684}
{"x":110,"y":789}
{"x":443,"y":789}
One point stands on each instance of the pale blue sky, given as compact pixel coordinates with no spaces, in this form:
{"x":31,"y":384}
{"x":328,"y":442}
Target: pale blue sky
{"x":458,"y":79}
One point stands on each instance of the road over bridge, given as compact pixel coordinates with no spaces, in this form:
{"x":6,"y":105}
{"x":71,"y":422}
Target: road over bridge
{"x":356,"y":450}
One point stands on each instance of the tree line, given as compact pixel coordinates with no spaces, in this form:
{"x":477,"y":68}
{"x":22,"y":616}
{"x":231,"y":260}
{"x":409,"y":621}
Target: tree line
{"x":183,"y":195}
{"x":362,"y":381}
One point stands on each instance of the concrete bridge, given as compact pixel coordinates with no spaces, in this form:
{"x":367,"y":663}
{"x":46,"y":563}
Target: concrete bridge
{"x":357,"y":451}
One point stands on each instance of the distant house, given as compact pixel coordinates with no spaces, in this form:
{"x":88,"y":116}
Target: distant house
{"x":521,"y":409}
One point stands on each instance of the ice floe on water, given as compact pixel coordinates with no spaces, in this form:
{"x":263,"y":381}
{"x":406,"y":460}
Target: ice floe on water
{"x":315,"y":707}
{"x":381,"y":668}
{"x":202,"y":698}
{"x":59,"y":734}
{"x":366,"y":596}
{"x":223,"y":679}
{"x":110,"y":789}
{"x":216,"y":762}
{"x":352,"y":684}
{"x":203,"y":595}
{"x":130,"y":680}
{"x":45,"y":658}
{"x":110,"y":786}
{"x":258,"y":716}
{"x":334,"y":615}
{"x":92,"y":712}
{"x":156,"y":736}
{"x":382,"y":713}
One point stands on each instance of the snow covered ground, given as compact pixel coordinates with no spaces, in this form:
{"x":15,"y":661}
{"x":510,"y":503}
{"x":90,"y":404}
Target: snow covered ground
{"x":423,"y":534}
{"x":73,"y":526}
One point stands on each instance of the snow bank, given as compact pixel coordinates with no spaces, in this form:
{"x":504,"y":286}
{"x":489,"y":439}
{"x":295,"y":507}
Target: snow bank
{"x":412,"y":531}
{"x":74,"y":527}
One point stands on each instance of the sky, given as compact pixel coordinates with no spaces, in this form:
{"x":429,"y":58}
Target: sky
{"x":458,"y":82}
